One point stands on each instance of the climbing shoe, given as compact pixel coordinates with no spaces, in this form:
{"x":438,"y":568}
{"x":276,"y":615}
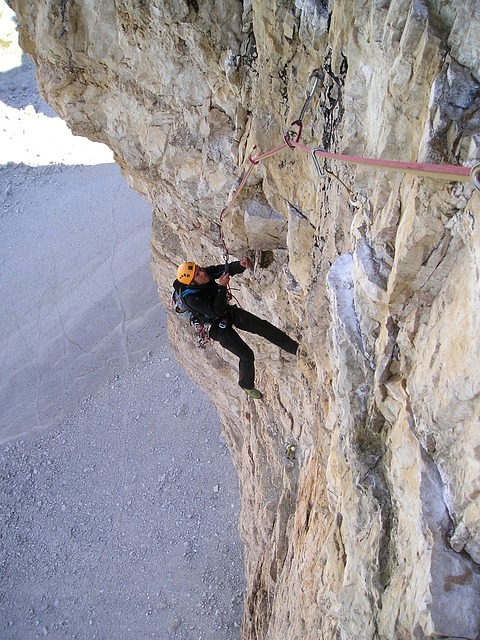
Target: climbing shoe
{"x":254,"y":393}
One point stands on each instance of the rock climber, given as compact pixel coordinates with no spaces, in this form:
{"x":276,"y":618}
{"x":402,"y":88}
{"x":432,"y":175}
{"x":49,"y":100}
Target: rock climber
{"x":208,"y":302}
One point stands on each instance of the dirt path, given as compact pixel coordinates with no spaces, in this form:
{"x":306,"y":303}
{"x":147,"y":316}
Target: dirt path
{"x":119,"y":501}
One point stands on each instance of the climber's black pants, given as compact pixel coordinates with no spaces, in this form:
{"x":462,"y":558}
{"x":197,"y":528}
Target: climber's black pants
{"x":230,"y":340}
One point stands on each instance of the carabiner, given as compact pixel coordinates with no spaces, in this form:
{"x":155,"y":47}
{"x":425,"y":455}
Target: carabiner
{"x":316,"y":163}
{"x":290,"y":136}
{"x":226,"y":258}
{"x":318,"y":76}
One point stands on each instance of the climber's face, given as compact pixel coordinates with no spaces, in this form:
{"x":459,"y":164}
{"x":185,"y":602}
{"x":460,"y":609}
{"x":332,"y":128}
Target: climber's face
{"x":201,"y":276}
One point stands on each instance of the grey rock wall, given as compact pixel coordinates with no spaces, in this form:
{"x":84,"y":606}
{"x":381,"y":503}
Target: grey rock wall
{"x":360,"y":470}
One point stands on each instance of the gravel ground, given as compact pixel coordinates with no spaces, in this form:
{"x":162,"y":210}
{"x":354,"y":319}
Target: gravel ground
{"x":119,"y":501}
{"x":120,"y":522}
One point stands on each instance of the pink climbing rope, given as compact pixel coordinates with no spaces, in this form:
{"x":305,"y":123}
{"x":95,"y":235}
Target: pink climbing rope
{"x":456,"y":173}
{"x":444,"y":171}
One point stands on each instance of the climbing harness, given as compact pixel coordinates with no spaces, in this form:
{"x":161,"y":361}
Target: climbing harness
{"x":291,"y":139}
{"x":202,"y":333}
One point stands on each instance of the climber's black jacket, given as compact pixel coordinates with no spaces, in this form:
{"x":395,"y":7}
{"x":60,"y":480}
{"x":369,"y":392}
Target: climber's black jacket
{"x":208,"y":302}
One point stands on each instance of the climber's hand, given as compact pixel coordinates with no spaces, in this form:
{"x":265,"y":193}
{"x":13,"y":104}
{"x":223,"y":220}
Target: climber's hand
{"x":246,"y":262}
{"x":224,"y":280}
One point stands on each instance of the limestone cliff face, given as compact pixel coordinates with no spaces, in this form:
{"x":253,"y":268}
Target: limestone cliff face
{"x":360,"y":471}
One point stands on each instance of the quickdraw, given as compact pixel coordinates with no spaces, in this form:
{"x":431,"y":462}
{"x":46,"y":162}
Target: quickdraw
{"x":317,"y":76}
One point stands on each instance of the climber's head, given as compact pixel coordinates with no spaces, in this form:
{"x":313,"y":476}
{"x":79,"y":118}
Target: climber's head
{"x":201,"y":276}
{"x":186,"y":272}
{"x":189,"y":272}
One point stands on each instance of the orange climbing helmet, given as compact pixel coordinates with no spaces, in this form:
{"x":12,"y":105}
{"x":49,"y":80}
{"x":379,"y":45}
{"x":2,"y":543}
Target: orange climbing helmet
{"x":186,"y":272}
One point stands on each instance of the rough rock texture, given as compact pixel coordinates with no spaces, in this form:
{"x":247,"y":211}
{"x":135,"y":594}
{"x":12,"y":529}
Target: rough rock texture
{"x":360,"y":471}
